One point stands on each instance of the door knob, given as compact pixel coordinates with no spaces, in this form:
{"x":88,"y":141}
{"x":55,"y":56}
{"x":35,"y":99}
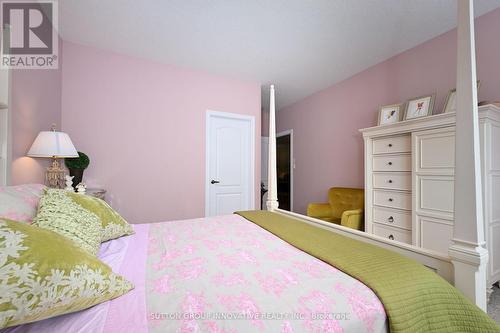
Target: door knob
{"x":214,"y":182}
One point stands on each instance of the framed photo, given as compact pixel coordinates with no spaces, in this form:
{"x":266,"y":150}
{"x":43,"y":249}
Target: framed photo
{"x":451,"y":100}
{"x":390,"y":114}
{"x":419,"y":107}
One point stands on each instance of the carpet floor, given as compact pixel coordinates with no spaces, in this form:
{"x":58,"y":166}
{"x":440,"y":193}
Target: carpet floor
{"x":494,"y":305}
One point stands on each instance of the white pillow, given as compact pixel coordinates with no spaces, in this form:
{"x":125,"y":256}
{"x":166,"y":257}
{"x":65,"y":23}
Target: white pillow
{"x":20,"y":203}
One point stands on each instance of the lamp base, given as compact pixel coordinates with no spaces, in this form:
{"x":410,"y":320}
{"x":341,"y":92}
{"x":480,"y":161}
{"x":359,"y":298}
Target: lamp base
{"x":54,"y":176}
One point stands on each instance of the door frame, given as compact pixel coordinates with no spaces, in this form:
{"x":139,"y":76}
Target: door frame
{"x":6,"y":113}
{"x":292,"y":162}
{"x":235,"y":116}
{"x":7,"y":154}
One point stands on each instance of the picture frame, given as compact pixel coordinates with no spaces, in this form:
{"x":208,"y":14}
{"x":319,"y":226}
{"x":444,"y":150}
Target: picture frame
{"x":419,"y":107}
{"x":450,"y":105}
{"x":390,"y":114}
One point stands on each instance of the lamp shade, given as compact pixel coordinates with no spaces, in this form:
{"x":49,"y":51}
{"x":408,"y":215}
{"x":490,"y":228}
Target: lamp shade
{"x":52,"y":144}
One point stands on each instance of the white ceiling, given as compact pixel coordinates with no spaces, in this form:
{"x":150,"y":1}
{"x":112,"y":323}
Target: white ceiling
{"x":301,"y":46}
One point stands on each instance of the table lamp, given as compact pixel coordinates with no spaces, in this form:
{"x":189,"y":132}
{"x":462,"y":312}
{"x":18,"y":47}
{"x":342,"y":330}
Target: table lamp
{"x":53,"y":144}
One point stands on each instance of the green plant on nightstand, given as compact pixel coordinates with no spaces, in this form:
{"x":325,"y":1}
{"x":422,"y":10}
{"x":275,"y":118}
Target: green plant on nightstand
{"x":76,"y":166}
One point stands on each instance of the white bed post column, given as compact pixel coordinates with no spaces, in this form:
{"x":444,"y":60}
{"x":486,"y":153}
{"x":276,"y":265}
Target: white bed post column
{"x":468,"y":255}
{"x":272,"y":185}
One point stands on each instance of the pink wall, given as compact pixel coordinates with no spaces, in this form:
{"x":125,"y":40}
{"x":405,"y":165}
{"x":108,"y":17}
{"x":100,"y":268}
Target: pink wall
{"x":143,"y":126}
{"x":35,"y":104}
{"x":328,"y":148}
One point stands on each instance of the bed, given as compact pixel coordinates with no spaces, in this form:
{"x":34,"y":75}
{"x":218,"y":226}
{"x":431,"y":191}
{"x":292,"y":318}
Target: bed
{"x":278,"y":271}
{"x":186,"y":273}
{"x":261,"y":271}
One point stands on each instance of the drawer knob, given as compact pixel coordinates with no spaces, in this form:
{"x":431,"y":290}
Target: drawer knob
{"x":390,"y":219}
{"x":391,"y":237}
{"x":390,"y":144}
{"x":390,"y":181}
{"x":390,"y":199}
{"x":390,"y":163}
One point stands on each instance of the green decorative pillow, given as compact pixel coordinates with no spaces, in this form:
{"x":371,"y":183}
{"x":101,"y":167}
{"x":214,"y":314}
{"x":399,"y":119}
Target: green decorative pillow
{"x":113,"y":225}
{"x":43,"y":274}
{"x":58,"y":213}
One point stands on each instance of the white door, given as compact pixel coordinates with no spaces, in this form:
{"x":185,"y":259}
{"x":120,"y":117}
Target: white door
{"x":230,"y":163}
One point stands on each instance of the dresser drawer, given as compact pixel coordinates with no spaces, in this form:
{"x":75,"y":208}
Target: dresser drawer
{"x":393,"y":144}
{"x":400,"y":235}
{"x":392,"y":217}
{"x":392,"y":199}
{"x":394,"y":181}
{"x":392,"y":163}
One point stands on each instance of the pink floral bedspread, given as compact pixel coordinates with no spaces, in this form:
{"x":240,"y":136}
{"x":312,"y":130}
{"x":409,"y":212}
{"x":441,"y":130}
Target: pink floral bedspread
{"x":226,"y":274}
{"x":221,"y":275}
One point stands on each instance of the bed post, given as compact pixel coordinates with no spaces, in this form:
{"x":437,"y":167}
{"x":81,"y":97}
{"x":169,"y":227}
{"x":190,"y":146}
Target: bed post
{"x":467,"y":253}
{"x":272,"y":194}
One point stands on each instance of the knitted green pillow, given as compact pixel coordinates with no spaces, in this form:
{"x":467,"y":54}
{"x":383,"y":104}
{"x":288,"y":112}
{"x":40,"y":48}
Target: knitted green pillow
{"x":112,"y":224}
{"x":58,"y":213}
{"x":43,"y":274}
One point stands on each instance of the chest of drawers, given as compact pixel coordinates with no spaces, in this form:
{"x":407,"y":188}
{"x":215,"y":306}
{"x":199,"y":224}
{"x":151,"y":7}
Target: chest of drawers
{"x":391,"y":184}
{"x":409,"y":182}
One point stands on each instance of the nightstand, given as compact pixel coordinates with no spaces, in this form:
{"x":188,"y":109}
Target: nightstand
{"x":96,"y":192}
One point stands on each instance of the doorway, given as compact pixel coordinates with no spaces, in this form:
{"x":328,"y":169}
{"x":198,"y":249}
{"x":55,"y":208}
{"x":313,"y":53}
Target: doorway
{"x":285,"y":166}
{"x":230,"y":163}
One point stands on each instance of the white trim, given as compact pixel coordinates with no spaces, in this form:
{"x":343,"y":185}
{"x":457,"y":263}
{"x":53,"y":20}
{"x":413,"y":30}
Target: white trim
{"x":228,"y":115}
{"x":491,"y":112}
{"x":9,"y":142}
{"x":4,"y":146}
{"x":8,"y":134}
{"x":264,"y":140}
{"x":292,"y":162}
{"x":272,"y":187}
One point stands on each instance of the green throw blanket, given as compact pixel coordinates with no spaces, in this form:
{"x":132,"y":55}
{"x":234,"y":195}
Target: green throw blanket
{"x":415,"y":298}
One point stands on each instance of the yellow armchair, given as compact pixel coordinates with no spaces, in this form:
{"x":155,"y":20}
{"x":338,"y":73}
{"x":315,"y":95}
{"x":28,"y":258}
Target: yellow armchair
{"x":344,"y":207}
